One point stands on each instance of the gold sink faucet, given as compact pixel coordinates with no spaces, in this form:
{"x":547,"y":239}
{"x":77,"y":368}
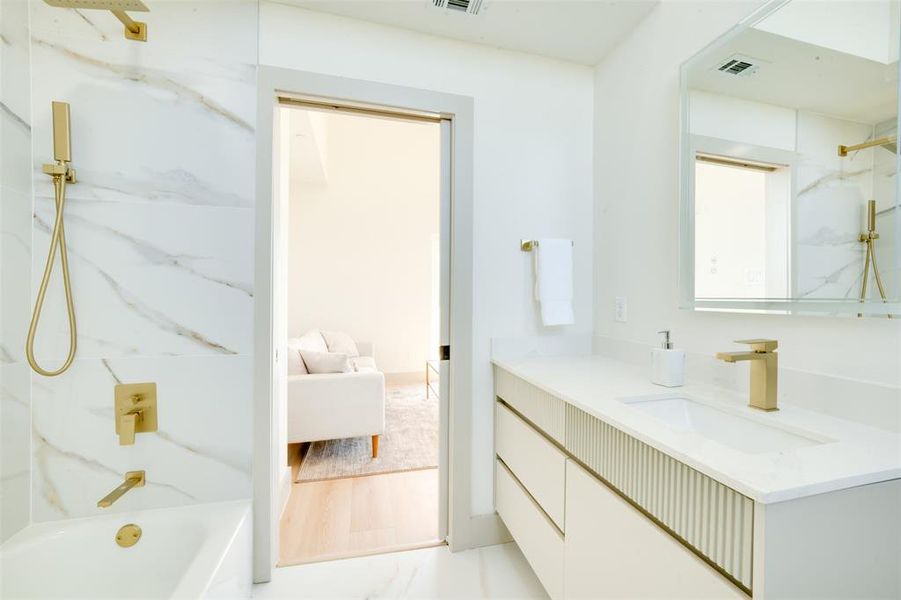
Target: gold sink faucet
{"x":133,"y":479}
{"x":764,"y":371}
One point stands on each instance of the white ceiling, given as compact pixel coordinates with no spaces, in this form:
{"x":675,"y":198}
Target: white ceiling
{"x":795,"y":74}
{"x":580,"y":31}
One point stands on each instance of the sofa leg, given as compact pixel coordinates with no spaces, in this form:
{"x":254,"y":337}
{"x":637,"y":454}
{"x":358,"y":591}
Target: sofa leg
{"x":375,"y":446}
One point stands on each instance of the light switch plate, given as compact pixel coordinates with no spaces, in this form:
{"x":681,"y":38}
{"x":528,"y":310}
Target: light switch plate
{"x":621,"y":309}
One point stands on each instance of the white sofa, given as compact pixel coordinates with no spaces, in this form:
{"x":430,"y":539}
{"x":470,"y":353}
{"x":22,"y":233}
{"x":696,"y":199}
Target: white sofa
{"x":338,"y":405}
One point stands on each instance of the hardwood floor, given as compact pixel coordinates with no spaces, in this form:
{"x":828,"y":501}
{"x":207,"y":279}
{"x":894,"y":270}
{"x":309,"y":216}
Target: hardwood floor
{"x":325,"y":520}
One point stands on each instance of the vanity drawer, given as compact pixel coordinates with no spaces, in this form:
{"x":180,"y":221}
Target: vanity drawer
{"x":536,"y":462}
{"x":540,"y":542}
{"x":614,"y":551}
{"x":547,"y":412}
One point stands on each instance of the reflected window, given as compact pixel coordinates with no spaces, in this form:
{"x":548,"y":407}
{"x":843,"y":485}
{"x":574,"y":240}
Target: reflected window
{"x":741,"y":228}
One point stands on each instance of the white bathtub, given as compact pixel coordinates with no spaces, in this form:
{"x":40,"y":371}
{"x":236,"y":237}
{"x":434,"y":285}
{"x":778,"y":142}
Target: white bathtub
{"x":201,"y":551}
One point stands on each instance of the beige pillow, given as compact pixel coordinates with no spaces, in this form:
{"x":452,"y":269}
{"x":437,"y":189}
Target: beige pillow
{"x":325,"y":362}
{"x":312,"y":340}
{"x":338,"y":341}
{"x":295,"y":361}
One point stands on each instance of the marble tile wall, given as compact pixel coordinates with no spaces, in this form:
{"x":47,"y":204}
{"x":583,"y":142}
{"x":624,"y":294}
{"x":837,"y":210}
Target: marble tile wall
{"x":15,"y":265}
{"x":160,"y":233}
{"x":831,"y":194}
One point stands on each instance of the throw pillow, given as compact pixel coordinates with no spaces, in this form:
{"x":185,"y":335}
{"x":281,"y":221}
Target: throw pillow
{"x":312,"y":340}
{"x":338,"y":341}
{"x":325,"y":362}
{"x":295,"y":361}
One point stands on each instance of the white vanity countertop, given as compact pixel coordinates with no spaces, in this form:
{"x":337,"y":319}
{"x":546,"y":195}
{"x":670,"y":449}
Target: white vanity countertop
{"x":854,"y":454}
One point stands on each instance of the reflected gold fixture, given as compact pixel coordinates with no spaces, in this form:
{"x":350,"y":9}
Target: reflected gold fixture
{"x":869,"y":238}
{"x":135,"y":410}
{"x":62,"y":174}
{"x":886,"y":141}
{"x":133,"y":479}
{"x":764,"y":371}
{"x":529,"y":245}
{"x":134,"y":30}
{"x":128,"y":535}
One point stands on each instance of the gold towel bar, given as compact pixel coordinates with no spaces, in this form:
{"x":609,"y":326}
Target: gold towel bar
{"x":529,"y":245}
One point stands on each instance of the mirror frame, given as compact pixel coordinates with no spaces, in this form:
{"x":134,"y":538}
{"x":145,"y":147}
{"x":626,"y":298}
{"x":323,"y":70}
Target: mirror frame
{"x":687,"y":300}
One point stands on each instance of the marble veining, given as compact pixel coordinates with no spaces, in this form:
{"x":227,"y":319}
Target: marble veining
{"x":171,"y":185}
{"x":157,"y":256}
{"x":160,"y":236}
{"x":156,"y":317}
{"x":91,"y":24}
{"x":15,"y":264}
{"x":152,"y":78}
{"x":7,"y":111}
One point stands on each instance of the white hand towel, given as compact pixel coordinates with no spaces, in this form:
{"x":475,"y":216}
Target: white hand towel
{"x":554,"y":281}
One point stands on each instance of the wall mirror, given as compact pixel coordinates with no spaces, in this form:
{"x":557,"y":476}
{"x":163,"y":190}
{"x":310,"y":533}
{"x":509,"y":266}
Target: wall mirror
{"x":789,"y":162}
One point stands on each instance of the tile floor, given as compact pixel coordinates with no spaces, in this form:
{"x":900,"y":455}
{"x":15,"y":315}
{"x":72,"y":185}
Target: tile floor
{"x":490,"y":572}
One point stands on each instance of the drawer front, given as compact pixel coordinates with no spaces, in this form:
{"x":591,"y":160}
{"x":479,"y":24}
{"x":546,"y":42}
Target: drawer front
{"x":708,"y":516}
{"x":545,"y":411}
{"x":614,"y":551}
{"x":538,"y":465}
{"x":534,"y":533}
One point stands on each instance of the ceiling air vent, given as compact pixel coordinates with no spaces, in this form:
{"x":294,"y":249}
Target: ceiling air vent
{"x":469,"y":7}
{"x":741,"y":66}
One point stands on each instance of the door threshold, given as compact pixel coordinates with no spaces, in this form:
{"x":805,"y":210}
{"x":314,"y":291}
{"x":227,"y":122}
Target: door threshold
{"x":373,"y":552}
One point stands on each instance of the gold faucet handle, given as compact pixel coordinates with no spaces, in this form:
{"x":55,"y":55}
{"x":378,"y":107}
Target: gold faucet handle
{"x":760,"y":345}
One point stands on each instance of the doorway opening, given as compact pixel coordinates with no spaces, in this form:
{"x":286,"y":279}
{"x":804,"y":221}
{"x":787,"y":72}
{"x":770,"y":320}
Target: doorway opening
{"x":361,"y":290}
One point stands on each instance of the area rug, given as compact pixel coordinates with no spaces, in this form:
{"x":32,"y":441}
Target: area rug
{"x":410,"y":441}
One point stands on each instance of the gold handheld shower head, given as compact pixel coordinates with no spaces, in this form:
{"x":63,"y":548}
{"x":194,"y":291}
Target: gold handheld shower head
{"x":134,"y":30}
{"x":62,"y":145}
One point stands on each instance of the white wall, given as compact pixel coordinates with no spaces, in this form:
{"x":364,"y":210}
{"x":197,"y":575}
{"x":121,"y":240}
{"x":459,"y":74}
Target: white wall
{"x":532,"y":166}
{"x":361,"y":234}
{"x":637,"y":200}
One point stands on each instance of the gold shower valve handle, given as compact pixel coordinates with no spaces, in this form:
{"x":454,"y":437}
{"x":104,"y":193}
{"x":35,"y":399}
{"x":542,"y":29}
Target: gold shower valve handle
{"x":135,"y":410}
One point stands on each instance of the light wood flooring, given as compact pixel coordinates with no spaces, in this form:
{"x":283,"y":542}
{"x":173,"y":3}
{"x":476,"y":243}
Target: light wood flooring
{"x":356,"y":516}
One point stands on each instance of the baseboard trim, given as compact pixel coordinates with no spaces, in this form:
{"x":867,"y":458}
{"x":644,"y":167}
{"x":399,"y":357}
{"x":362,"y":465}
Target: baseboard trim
{"x":488,"y":530}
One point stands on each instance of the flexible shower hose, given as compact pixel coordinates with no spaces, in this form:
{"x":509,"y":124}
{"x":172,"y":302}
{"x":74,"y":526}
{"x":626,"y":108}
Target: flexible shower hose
{"x":57,"y":240}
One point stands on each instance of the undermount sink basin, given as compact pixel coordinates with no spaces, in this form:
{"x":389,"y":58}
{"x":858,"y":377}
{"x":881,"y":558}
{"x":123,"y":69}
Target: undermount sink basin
{"x":735,"y":431}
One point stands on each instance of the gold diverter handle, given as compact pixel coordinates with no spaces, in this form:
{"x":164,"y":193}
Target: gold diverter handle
{"x":62,"y":174}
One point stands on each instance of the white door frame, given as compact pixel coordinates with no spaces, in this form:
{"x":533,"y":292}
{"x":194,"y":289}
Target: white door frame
{"x":272,"y":83}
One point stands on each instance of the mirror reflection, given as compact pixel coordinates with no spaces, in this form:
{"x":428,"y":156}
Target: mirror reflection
{"x":791,"y":159}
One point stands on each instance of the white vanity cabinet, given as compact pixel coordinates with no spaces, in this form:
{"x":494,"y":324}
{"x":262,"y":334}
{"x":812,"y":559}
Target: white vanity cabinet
{"x":614,"y":551}
{"x":599,"y":513}
{"x":582,"y":539}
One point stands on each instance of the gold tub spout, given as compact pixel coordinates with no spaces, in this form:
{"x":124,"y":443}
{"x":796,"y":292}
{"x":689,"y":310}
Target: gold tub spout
{"x":133,"y":479}
{"x":764,"y":371}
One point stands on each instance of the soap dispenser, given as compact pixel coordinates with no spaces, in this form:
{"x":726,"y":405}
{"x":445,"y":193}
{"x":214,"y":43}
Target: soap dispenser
{"x":667,"y":363}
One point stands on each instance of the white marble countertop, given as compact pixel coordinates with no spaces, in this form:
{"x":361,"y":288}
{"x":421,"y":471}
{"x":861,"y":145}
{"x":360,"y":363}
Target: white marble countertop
{"x":850,"y":454}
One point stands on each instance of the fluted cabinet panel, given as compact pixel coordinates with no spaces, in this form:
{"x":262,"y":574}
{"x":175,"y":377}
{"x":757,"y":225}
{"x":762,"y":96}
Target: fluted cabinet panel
{"x":544,"y":410}
{"x":713,"y":519}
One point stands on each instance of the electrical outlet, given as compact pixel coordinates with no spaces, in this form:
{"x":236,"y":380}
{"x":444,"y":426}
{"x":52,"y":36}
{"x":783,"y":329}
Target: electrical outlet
{"x":621,"y":314}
